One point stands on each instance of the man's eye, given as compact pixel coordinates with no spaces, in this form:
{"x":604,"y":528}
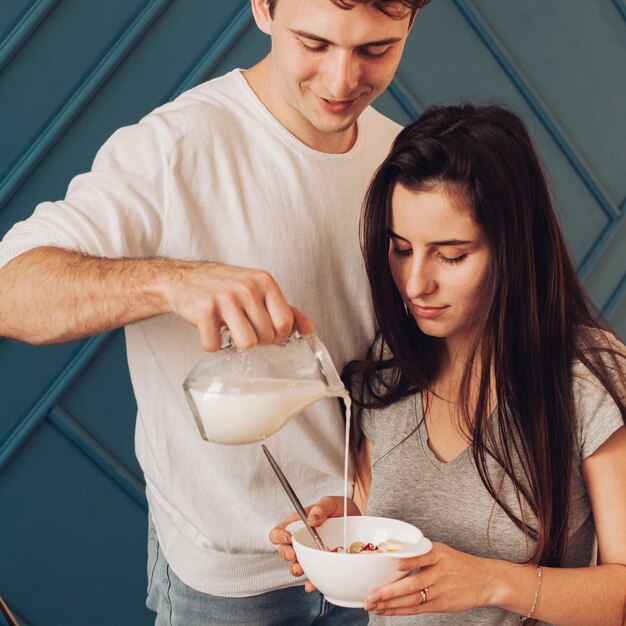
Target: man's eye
{"x":314,"y":49}
{"x":375,"y":52}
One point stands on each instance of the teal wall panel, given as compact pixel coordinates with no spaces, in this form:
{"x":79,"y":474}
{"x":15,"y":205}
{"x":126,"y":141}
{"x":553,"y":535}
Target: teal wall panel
{"x":72,"y":509}
{"x":101,"y":400}
{"x":30,"y":77}
{"x":64,"y":559}
{"x":575,"y":60}
{"x":18,"y":19}
{"x":26,"y":373}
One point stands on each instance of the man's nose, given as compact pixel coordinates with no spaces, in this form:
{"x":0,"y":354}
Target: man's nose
{"x":342,"y":74}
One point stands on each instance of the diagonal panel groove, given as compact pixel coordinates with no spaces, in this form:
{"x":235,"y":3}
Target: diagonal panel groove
{"x":615,"y":298}
{"x":621,"y":7}
{"x":79,"y":98}
{"x":37,"y":414}
{"x":215,"y":52}
{"x":596,"y":248}
{"x":514,"y":72}
{"x":98,"y":454}
{"x":405,"y":98}
{"x":25,"y":26}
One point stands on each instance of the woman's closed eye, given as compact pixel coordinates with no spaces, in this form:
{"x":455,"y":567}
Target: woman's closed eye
{"x":452,"y":260}
{"x":401,"y":251}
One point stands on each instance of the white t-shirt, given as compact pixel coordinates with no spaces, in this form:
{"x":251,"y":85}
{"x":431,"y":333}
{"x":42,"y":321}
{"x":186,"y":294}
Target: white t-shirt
{"x":214,"y":176}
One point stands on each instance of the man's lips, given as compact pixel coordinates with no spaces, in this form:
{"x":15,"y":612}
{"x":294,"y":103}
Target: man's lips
{"x":427,"y":312}
{"x":336,"y":106}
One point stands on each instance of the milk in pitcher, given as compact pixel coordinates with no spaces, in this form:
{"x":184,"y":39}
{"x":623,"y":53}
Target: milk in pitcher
{"x":254,"y":411}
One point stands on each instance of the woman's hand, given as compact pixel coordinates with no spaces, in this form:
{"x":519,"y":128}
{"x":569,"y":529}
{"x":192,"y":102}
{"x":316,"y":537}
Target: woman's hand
{"x":317,"y":514}
{"x":453,"y":581}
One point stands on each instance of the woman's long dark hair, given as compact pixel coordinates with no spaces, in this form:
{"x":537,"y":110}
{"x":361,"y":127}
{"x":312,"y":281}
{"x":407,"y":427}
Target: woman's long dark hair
{"x":537,"y":319}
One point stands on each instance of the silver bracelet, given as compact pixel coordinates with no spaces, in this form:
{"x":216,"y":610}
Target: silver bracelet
{"x":536,"y":598}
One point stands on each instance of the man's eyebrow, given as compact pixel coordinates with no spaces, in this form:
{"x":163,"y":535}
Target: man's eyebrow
{"x":313,"y":37}
{"x":445,"y":242}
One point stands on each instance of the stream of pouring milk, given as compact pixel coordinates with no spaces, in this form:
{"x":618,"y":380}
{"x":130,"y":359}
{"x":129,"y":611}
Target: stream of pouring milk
{"x":346,"y":398}
{"x":259,"y":409}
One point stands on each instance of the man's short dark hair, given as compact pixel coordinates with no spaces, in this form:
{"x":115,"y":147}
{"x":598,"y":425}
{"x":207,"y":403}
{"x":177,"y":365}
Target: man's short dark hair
{"x":392,"y":8}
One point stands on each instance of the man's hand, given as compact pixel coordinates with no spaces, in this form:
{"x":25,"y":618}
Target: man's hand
{"x":248,"y":301}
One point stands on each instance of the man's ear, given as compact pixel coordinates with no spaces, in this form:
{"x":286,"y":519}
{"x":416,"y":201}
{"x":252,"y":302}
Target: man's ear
{"x":261,"y":14}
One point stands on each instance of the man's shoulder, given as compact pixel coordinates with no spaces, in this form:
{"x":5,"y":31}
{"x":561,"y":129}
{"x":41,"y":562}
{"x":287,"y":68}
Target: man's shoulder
{"x":374,"y":121}
{"x":379,"y":131}
{"x":209,"y":104}
{"x":214,"y":91}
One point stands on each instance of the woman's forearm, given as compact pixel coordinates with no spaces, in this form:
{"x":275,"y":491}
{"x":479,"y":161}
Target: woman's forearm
{"x":586,"y":596}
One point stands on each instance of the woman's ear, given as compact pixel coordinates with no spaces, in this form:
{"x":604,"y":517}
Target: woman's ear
{"x":261,"y":14}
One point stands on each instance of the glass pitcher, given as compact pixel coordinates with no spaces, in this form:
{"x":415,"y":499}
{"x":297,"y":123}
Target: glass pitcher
{"x":241,"y":396}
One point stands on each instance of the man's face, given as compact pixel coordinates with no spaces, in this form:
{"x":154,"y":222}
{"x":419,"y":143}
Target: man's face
{"x":328,"y":64}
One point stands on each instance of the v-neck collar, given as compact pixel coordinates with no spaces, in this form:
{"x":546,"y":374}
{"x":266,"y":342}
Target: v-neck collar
{"x":422,"y":432}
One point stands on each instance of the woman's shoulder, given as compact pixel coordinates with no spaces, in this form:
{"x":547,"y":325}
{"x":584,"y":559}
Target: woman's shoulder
{"x":382,"y":374}
{"x":599,"y":360}
{"x":589,"y":340}
{"x":599,"y":387}
{"x":388,"y":425}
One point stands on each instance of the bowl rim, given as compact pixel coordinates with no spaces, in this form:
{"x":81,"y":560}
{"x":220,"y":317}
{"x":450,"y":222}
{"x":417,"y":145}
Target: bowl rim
{"x":422,"y":546}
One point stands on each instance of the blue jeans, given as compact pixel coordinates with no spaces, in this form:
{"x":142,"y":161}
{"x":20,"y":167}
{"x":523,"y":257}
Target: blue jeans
{"x":176,"y":604}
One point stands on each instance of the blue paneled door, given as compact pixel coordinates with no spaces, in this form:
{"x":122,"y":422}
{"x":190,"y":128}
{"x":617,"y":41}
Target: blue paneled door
{"x":72,"y":508}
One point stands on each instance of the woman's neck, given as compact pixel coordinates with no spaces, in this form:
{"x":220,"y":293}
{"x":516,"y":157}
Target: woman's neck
{"x":453,"y":365}
{"x":447,"y":386}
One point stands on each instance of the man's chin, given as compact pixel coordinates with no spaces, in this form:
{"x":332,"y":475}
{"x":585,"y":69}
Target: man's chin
{"x":337,"y":122}
{"x":336,"y":128}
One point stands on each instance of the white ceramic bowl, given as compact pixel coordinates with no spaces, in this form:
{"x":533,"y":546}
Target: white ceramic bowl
{"x":346,"y":579}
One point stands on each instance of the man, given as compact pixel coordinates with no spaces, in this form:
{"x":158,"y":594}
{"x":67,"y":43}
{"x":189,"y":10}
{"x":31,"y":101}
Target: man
{"x":261,"y":169}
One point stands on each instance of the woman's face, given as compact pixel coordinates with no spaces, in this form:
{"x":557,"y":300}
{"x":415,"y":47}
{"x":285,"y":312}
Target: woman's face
{"x":438,"y":259}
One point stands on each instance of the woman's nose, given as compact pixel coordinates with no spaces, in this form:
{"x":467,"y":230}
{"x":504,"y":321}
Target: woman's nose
{"x":421,"y":280}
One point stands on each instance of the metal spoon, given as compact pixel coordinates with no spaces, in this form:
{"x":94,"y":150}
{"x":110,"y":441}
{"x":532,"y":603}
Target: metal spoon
{"x":294,"y":498}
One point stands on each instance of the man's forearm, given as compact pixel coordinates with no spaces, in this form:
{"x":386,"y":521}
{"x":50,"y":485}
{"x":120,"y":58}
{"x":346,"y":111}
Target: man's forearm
{"x":50,"y":295}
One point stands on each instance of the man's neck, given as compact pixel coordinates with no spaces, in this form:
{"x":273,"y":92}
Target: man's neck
{"x":259,"y":78}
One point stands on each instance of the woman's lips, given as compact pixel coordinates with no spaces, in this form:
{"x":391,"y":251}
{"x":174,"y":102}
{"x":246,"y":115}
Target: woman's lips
{"x":427,"y":312}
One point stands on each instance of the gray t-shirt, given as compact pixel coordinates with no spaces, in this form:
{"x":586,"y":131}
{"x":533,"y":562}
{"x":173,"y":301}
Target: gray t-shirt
{"x":450,"y":504}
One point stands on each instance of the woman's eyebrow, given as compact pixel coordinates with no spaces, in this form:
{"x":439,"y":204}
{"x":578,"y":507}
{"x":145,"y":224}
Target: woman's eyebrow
{"x":313,"y":37}
{"x":449,"y":242}
{"x":445,"y":242}
{"x":396,"y":236}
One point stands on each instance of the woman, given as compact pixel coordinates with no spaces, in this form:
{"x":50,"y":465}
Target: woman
{"x":494,"y":402}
